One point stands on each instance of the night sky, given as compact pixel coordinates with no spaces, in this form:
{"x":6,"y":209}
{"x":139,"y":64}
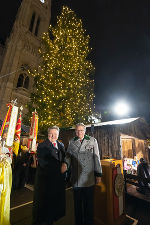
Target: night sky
{"x":120,"y":38}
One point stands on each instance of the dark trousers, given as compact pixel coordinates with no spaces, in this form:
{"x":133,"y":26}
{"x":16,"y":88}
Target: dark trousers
{"x":84,"y":205}
{"x":50,"y":223}
{"x":40,"y":218}
{"x":19,"y":177}
{"x":37,"y":222}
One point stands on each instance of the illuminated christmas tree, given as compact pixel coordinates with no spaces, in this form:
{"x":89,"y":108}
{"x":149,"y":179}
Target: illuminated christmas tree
{"x":64,"y":87}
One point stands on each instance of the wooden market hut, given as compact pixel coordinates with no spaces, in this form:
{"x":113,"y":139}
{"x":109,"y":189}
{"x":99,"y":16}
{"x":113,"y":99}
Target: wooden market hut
{"x":118,"y":138}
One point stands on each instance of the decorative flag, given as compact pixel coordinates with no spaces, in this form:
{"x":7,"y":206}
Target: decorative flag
{"x":12,"y":126}
{"x":17,"y":134}
{"x":33,"y":132}
{"x":6,"y":120}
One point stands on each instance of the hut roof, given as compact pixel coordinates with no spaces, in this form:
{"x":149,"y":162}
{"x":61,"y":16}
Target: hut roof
{"x":115,"y":122}
{"x":136,"y":127}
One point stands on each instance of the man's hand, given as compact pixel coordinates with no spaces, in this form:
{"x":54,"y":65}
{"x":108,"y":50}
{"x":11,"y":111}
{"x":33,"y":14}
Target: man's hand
{"x":63,"y":167}
{"x":98,"y":180}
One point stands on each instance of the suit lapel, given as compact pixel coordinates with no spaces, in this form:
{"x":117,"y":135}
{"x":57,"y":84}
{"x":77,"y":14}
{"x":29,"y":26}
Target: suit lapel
{"x":58,"y":145}
{"x":50,"y":146}
{"x":48,"y":143}
{"x":77,"y":143}
{"x":54,"y":152}
{"x":84,"y":143}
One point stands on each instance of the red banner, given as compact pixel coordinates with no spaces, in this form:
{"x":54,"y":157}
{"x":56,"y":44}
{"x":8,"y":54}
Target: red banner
{"x":17,"y":135}
{"x":6,"y":120}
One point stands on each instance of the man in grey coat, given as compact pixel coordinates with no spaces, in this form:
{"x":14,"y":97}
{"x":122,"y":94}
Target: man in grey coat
{"x":84,"y":159}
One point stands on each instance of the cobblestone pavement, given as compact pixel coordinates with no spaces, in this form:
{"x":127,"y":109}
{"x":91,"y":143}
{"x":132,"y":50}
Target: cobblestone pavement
{"x":21,"y":208}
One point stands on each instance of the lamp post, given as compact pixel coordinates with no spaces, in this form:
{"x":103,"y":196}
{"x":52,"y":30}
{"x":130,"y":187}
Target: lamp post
{"x":121,"y":108}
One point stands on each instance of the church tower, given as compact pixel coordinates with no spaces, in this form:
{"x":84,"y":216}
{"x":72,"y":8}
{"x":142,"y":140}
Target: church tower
{"x":21,"y":52}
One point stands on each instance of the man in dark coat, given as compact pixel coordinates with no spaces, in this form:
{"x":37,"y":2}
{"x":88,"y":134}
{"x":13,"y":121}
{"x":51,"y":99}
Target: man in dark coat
{"x":49,"y":190}
{"x":143,"y":174}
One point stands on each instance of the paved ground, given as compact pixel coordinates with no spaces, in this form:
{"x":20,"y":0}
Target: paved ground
{"x":138,"y":205}
{"x":21,"y":208}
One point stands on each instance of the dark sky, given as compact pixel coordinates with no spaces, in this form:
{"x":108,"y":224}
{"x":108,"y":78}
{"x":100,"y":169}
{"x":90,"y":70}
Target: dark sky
{"x":7,"y":18}
{"x":120,"y":38}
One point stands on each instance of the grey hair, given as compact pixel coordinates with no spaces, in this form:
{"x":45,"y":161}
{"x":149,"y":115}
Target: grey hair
{"x":52,"y":128}
{"x":80,"y":124}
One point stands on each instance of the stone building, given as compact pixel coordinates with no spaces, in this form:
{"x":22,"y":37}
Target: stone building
{"x":22,"y":28}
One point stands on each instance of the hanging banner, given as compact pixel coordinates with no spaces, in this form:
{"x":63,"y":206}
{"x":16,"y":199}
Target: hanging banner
{"x":17,"y":135}
{"x":12,"y":126}
{"x":33,"y":132}
{"x":6,"y":120}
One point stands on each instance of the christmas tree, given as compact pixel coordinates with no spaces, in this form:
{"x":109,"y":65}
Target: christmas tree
{"x":64,"y":87}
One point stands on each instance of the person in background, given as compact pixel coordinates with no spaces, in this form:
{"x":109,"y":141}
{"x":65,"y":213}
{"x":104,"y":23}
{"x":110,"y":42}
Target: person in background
{"x":21,"y":167}
{"x":84,"y":158}
{"x":49,"y":188}
{"x":125,"y":165}
{"x":143,"y":173}
{"x":32,"y":168}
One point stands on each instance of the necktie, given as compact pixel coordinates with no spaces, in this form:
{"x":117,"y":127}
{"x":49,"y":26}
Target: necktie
{"x":54,"y":144}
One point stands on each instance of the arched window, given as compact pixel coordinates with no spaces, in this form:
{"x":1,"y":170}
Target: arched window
{"x":26,"y":82}
{"x":23,"y":81}
{"x":37,"y":26}
{"x":20,"y":81}
{"x":32,"y":22}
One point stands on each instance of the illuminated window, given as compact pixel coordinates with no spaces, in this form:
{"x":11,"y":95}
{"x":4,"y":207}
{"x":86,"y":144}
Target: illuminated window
{"x":23,"y":81}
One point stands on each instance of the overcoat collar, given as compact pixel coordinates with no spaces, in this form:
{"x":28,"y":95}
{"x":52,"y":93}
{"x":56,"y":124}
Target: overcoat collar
{"x":86,"y":137}
{"x":85,"y":141}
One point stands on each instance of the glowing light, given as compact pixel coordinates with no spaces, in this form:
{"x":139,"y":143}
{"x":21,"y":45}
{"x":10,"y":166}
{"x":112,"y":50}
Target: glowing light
{"x":121,"y":108}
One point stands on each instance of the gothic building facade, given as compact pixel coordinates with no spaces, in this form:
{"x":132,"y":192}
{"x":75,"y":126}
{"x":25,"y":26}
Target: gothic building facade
{"x":19,"y":51}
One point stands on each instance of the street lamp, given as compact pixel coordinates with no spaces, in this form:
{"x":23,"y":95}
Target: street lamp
{"x":121,"y":108}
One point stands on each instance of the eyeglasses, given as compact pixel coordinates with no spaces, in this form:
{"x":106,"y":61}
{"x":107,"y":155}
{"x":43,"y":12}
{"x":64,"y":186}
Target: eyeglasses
{"x":80,"y":130}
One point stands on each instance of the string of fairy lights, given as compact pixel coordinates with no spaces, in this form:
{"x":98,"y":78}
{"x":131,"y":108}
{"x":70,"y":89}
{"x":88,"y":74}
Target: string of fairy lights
{"x":22,"y":68}
{"x":8,"y":74}
{"x":64,"y":88}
